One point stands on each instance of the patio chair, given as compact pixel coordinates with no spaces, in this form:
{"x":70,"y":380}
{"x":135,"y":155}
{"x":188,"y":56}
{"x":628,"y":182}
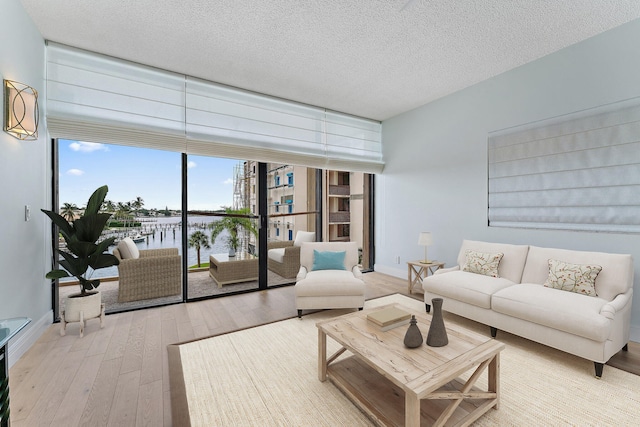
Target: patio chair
{"x":284,"y":257}
{"x":146,"y":274}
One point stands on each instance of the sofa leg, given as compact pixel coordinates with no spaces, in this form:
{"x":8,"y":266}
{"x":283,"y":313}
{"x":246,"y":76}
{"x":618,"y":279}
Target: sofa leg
{"x":626,"y":347}
{"x":360,"y":308}
{"x":598,"y":367}
{"x":494,"y":331}
{"x":299,"y":314}
{"x":428,"y":308}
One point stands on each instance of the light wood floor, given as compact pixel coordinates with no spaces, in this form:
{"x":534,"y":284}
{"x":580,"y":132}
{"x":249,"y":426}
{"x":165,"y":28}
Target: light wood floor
{"x":118,"y":375}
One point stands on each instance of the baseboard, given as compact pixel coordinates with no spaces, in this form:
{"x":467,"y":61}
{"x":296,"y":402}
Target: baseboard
{"x":391,"y":271}
{"x":634,"y":333}
{"x":19,"y":346}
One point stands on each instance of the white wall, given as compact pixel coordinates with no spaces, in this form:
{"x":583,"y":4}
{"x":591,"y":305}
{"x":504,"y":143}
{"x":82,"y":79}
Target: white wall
{"x":435,"y":176}
{"x":25,"y":180}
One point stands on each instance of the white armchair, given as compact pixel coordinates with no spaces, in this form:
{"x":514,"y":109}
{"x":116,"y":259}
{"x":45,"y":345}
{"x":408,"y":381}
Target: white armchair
{"x":325,"y":282}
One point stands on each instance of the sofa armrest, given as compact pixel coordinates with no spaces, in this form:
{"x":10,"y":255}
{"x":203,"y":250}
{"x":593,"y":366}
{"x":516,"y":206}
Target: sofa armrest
{"x":446,"y":270}
{"x":610,"y":309}
{"x":302,"y":273}
{"x":279,"y":244}
{"x":356,"y":272}
{"x":292,"y":252}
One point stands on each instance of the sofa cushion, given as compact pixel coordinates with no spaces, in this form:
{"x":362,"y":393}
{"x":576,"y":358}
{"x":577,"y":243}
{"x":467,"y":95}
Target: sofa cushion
{"x":276,"y":254}
{"x":615,"y":278}
{"x":329,"y":282}
{"x":304,"y":236}
{"x":512,"y":262}
{"x":482,"y":263}
{"x":128,"y":249}
{"x":579,"y":278}
{"x":570,"y":312}
{"x":467,"y":287}
{"x":328,"y":260}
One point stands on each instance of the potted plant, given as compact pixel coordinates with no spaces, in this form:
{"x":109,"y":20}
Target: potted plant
{"x":84,"y":253}
{"x":235,"y":221}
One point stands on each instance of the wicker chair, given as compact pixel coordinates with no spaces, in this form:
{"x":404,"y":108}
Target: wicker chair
{"x":155,"y":273}
{"x":287,"y":263}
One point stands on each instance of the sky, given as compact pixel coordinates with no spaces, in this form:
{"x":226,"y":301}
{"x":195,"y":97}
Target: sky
{"x":153,"y":175}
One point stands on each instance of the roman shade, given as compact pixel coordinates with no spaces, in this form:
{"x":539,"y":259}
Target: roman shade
{"x":96,"y":98}
{"x":578,"y":172}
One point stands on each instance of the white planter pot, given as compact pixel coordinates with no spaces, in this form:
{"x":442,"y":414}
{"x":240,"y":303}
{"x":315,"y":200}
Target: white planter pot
{"x":80,"y":309}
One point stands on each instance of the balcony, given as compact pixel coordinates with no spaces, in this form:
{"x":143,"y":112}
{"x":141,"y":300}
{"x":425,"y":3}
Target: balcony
{"x":339,"y":190}
{"x":339,"y":217}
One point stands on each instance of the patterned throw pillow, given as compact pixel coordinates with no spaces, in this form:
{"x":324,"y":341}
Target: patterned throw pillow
{"x":482,"y":263}
{"x":576,"y":278}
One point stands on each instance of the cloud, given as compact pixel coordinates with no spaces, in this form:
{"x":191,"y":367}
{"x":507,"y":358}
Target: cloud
{"x":191,"y":164}
{"x":75,"y":172}
{"x":87,"y":147}
{"x":228,"y":181}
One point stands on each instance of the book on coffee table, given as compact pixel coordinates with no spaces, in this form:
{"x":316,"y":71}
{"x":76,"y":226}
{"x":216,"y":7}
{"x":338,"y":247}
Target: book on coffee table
{"x":389,"y":318}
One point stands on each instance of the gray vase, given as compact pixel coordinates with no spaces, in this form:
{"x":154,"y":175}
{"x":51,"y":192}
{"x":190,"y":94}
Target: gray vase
{"x":437,"y":336}
{"x":413,"y":337}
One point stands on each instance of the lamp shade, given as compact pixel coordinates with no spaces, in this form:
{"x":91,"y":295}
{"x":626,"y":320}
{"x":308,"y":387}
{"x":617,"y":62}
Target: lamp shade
{"x":425,"y":239}
{"x":20,"y":110}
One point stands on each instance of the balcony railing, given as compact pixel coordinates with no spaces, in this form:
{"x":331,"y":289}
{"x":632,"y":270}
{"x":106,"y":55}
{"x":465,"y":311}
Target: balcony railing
{"x":339,"y":217}
{"x":339,"y":190}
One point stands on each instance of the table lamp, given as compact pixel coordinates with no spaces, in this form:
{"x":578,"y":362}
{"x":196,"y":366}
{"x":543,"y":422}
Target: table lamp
{"x":425,"y":239}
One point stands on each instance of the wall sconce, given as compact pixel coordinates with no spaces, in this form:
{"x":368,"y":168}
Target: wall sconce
{"x":425,"y":239}
{"x":21,"y":113}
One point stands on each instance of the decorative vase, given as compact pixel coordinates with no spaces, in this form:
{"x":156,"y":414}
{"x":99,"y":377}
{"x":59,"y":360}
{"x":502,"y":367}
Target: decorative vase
{"x":232,"y":252}
{"x":80,"y":309}
{"x":437,"y":336}
{"x":413,"y":337}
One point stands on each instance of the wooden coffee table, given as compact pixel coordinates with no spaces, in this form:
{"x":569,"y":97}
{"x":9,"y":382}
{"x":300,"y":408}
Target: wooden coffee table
{"x":395,"y":385}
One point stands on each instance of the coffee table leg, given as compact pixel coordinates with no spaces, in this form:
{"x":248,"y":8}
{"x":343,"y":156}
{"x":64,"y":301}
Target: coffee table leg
{"x":494,"y":378}
{"x":411,"y":410}
{"x":322,"y":355}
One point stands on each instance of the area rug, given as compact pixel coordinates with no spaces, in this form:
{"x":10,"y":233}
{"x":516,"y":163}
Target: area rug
{"x":267,"y":376}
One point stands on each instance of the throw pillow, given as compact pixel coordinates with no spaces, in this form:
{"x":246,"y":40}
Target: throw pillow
{"x":327,"y":260}
{"x":482,"y":263}
{"x":128,"y":249}
{"x":304,"y":236}
{"x":576,"y":278}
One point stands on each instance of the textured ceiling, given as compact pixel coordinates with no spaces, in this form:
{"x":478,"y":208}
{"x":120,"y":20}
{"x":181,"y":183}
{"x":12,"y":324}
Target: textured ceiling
{"x":369,"y":58}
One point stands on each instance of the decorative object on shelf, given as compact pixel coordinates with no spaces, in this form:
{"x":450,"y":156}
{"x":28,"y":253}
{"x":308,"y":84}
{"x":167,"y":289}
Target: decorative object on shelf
{"x":83,"y":254}
{"x":21,"y":114}
{"x":413,"y":337}
{"x":425,"y":239}
{"x":437,"y":336}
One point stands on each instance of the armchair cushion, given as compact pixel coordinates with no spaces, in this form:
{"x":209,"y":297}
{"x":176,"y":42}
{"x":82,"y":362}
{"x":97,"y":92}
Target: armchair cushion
{"x":128,"y":249}
{"x":328,"y":260}
{"x":304,"y":236}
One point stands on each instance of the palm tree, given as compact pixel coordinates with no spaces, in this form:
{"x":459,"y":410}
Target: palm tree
{"x":235,"y":222}
{"x":68,"y":211}
{"x":137,"y":204}
{"x":199,"y":240}
{"x":109,"y":206}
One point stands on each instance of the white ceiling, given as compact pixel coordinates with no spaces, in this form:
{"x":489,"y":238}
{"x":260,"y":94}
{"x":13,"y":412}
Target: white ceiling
{"x":369,"y":58}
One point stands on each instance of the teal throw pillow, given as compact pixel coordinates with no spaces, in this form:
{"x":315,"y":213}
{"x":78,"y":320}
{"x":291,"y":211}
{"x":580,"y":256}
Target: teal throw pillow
{"x":327,"y":260}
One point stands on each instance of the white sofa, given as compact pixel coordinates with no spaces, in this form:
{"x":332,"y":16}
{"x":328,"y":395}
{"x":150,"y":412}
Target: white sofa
{"x":329,"y":288}
{"x":592,"y":327}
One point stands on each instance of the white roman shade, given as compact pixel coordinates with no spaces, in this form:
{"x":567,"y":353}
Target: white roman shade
{"x":95,"y":98}
{"x":580,"y":172}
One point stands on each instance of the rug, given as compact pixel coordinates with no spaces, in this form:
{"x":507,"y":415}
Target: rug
{"x":267,"y":376}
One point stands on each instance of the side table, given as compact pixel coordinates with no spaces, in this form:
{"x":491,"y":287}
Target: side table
{"x":8,"y":329}
{"x":418,"y":270}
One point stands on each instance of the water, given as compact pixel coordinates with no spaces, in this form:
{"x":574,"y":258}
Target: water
{"x":171,"y":230}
